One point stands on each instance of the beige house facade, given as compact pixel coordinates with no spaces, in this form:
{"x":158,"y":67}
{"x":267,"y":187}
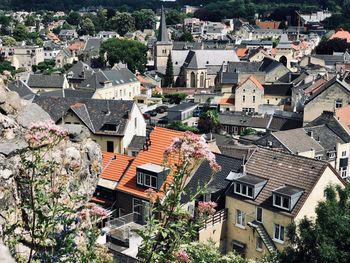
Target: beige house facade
{"x":249,"y":95}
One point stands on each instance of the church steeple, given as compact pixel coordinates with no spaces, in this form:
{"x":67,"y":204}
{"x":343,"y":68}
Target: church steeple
{"x":163,"y":32}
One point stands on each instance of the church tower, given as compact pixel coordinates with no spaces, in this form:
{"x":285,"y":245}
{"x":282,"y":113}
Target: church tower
{"x":163,"y":45}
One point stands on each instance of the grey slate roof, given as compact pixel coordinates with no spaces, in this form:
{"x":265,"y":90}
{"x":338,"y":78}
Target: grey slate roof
{"x":203,"y":58}
{"x":116,"y":76}
{"x":69,"y":93}
{"x":278,"y":89}
{"x":45,"y":81}
{"x":243,"y":66}
{"x":203,"y":175}
{"x":22,"y":89}
{"x":181,"y":45}
{"x":137,"y":142}
{"x":79,"y":70}
{"x":163,"y":32}
{"x":93,"y":45}
{"x":183,"y":106}
{"x":96,"y":114}
{"x":297,"y":140}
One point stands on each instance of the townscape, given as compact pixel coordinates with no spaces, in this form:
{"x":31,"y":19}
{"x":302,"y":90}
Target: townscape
{"x":171,"y":132}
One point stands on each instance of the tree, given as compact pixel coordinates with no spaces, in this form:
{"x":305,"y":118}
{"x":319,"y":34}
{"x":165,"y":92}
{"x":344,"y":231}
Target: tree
{"x":169,"y":73}
{"x":174,"y":17}
{"x":73,"y":18}
{"x":332,"y":45}
{"x":208,"y":121}
{"x":39,"y":42}
{"x":47,"y":19}
{"x":130,"y":52}
{"x":179,"y":126}
{"x":327,"y":238}
{"x":87,"y":27}
{"x":20,"y":33}
{"x":30,"y":21}
{"x":54,"y":221}
{"x":171,"y":228}
{"x":8,"y":41}
{"x":122,"y":23}
{"x":144,"y":19}
{"x":110,"y":13}
{"x":175,"y":98}
{"x":186,"y":36}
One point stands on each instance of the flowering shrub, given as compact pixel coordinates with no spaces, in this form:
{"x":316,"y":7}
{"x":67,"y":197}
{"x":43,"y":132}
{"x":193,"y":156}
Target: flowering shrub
{"x":170,"y":225}
{"x":54,"y":224}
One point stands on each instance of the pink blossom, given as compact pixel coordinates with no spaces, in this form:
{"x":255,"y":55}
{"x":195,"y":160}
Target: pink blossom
{"x":98,"y":211}
{"x":192,"y":147}
{"x":182,"y":256}
{"x":151,"y":194}
{"x":207,"y":208}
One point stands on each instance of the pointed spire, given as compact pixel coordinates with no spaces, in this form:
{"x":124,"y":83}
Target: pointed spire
{"x":163,"y":32}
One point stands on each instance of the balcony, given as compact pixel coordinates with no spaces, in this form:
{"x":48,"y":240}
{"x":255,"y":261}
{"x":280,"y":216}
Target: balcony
{"x":122,"y":234}
{"x":219,"y":217}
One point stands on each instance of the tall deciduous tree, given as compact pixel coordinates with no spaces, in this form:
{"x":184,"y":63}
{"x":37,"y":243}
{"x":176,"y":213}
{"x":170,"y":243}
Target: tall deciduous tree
{"x":208,"y":121}
{"x":130,"y":52}
{"x":20,"y":33}
{"x":73,"y":18}
{"x":169,"y":72}
{"x":87,"y":27}
{"x":122,"y":23}
{"x":327,"y":238}
{"x":144,"y":19}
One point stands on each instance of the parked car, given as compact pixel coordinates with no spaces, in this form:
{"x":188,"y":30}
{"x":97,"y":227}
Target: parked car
{"x":147,"y":116}
{"x":162,"y":109}
{"x":163,"y":121}
{"x":152,"y":113}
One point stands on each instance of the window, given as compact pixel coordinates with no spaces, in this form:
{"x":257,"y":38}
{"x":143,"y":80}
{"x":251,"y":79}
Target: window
{"x":253,"y":90}
{"x":343,"y":154}
{"x":259,"y":214}
{"x":259,"y":243}
{"x":243,"y":90}
{"x":278,"y":232}
{"x":253,"y":99}
{"x":110,"y":146}
{"x":243,"y":98}
{"x":150,"y":181}
{"x":240,"y":218}
{"x":244,"y":190}
{"x":135,"y":121}
{"x":137,"y":206}
{"x":331,"y":155}
{"x":134,"y":153}
{"x":338,"y":104}
{"x":140,"y":178}
{"x":268,"y":101}
{"x":281,"y":201}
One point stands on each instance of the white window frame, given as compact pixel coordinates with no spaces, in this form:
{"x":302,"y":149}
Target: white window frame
{"x":240,"y":218}
{"x":338,"y":104}
{"x":240,"y":192}
{"x":133,"y":205}
{"x":140,"y":178}
{"x":257,"y":208}
{"x":344,"y":154}
{"x":280,"y":237}
{"x":150,"y":181}
{"x":281,"y":203}
{"x":259,"y":244}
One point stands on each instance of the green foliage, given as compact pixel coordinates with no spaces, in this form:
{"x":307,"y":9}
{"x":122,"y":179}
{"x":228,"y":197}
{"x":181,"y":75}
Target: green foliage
{"x":207,"y":252}
{"x":6,"y":65}
{"x":39,"y":42}
{"x":175,"y":98}
{"x":144,"y":19}
{"x":249,"y":131}
{"x":20,"y":33}
{"x":30,"y":21}
{"x":174,"y":17}
{"x":130,"y":52}
{"x":186,"y":36}
{"x":8,"y":41}
{"x":332,"y":45}
{"x":208,"y":121}
{"x":47,"y":67}
{"x":169,"y":73}
{"x":73,"y":18}
{"x":179,"y":126}
{"x":87,"y":27}
{"x":122,"y":23}
{"x":327,"y":238}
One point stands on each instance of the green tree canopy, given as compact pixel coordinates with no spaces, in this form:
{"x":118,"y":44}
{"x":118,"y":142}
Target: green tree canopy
{"x":179,"y":126}
{"x":175,"y":98}
{"x":208,"y":121}
{"x":122,"y":23}
{"x":169,"y":73}
{"x":130,"y":52}
{"x":87,"y":27}
{"x":20,"y":33}
{"x":327,"y":238}
{"x":30,"y":21}
{"x":8,"y":41}
{"x":144,"y":19}
{"x":73,"y":18}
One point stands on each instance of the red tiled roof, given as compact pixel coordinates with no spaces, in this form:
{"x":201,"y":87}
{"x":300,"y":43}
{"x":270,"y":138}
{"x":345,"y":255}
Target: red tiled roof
{"x":267,"y":24}
{"x":76,"y":46}
{"x":241,"y":52}
{"x":342,"y":34}
{"x":161,"y":139}
{"x":254,"y":80}
{"x":227,"y":101}
{"x":114,"y":165}
{"x":343,"y":116}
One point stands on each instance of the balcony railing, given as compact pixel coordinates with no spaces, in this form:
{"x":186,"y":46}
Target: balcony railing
{"x":219,"y":217}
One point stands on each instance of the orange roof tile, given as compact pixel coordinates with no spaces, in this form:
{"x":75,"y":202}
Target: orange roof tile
{"x":267,"y":24}
{"x":241,"y":52}
{"x":227,"y":101}
{"x":161,"y":139}
{"x":254,"y":80}
{"x":76,"y":46}
{"x":342,"y":34}
{"x":343,"y":116}
{"x":114,"y":165}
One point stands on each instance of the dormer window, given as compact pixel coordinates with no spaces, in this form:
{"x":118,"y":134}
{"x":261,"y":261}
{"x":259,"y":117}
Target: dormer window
{"x":248,"y":185}
{"x":286,"y":197}
{"x":151,"y":175}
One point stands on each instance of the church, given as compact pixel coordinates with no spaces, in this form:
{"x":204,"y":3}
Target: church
{"x":193,"y":65}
